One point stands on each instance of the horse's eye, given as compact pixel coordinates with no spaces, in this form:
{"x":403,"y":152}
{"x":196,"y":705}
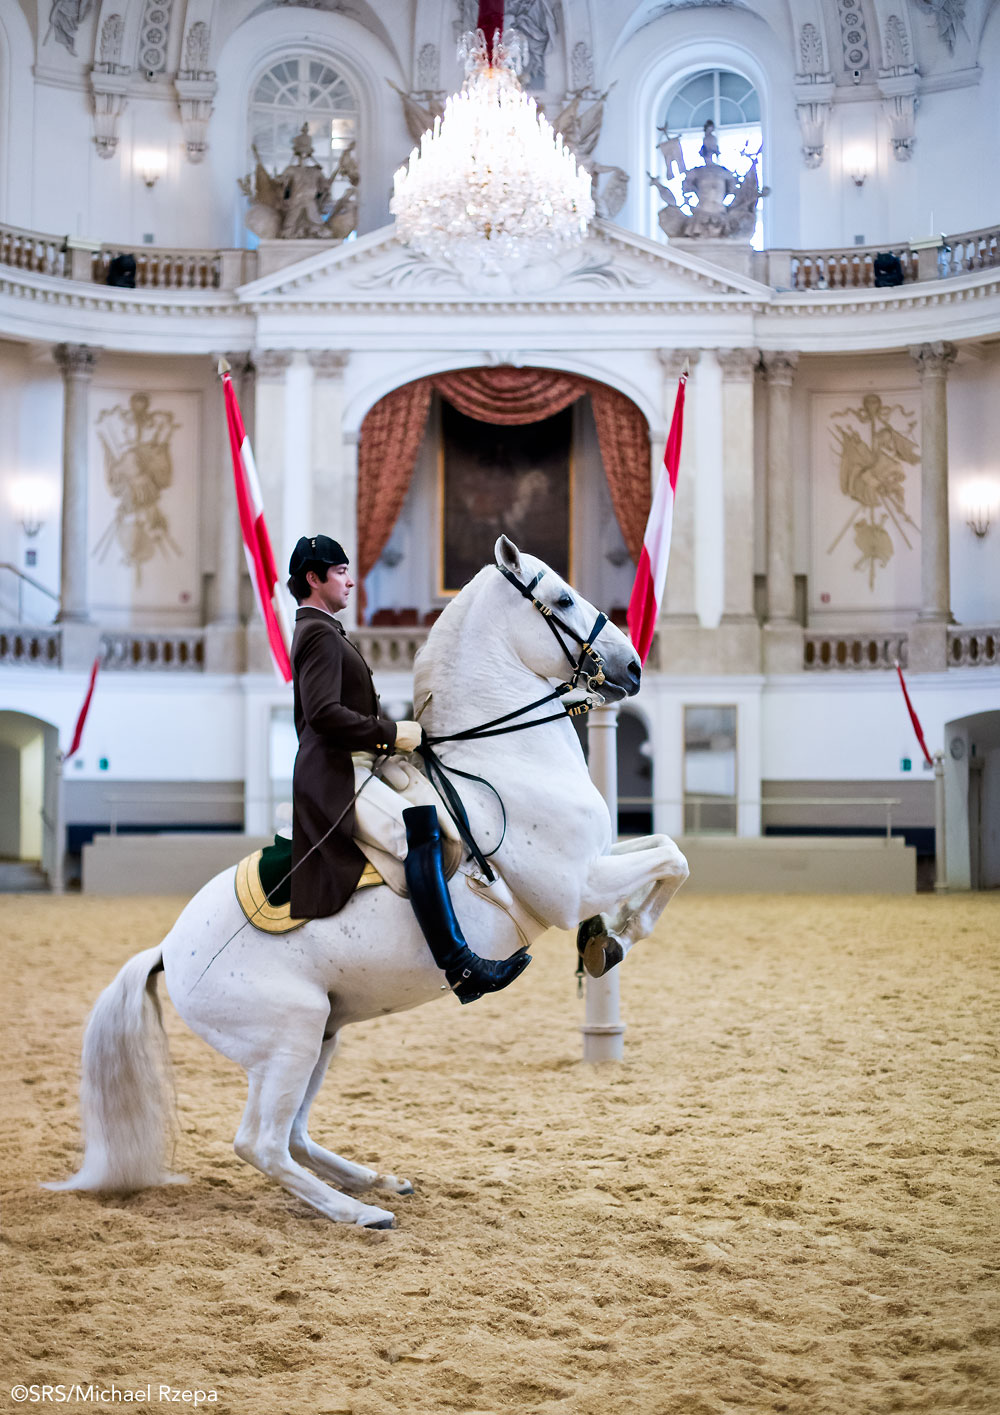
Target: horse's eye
{"x":565,"y":601}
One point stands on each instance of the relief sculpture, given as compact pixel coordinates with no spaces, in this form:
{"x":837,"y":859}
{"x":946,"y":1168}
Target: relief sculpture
{"x":873,"y":477}
{"x":138,"y":469}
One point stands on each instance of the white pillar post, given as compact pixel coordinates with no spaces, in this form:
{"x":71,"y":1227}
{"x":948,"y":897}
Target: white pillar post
{"x":603,"y":1030}
{"x":782,"y":635}
{"x":269,"y":439}
{"x":77,"y":363}
{"x":224,"y":635}
{"x":326,"y":454}
{"x":928,"y":648}
{"x":738,"y":369}
{"x":80,"y":637}
{"x":680,"y":600}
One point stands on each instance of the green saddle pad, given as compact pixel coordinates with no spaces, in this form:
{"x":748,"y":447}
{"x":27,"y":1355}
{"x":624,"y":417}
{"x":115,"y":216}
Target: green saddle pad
{"x":275,"y":871}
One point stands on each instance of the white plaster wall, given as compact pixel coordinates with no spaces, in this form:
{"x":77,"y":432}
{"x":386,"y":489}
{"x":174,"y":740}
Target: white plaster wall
{"x":148,"y":727}
{"x":973,"y":440}
{"x":856,"y":727}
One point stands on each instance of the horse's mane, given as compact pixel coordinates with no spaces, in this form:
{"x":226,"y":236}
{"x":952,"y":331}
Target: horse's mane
{"x":444,"y":633}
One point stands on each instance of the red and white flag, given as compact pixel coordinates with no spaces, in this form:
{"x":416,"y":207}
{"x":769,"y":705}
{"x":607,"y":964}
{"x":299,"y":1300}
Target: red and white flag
{"x":256,"y":541}
{"x":651,"y":575}
{"x":914,"y":718}
{"x":78,"y":729}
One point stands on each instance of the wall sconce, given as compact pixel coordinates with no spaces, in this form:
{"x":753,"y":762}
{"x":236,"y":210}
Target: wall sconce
{"x":151,"y":165}
{"x":28,"y":508}
{"x":858,"y":164}
{"x":979,"y":500}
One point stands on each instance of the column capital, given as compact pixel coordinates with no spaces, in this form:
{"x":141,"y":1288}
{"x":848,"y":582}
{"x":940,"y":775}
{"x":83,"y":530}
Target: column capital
{"x":272,"y":363}
{"x":240,"y":362}
{"x":328,"y":363}
{"x":76,"y":360}
{"x":779,"y":367}
{"x":933,"y":359}
{"x":738,"y":365}
{"x":672,"y":361}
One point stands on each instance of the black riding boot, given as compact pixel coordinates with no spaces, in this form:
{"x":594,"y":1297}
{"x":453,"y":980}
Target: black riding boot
{"x":468,"y":975}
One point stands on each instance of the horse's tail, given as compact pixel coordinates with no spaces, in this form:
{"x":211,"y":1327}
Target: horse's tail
{"x":126,"y":1102}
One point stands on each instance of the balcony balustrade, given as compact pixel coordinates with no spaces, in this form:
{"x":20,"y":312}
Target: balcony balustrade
{"x":178,"y":268}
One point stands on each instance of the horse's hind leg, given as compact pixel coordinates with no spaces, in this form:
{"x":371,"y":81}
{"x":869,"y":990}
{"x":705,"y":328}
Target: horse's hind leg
{"x":277,"y":1088}
{"x":326,"y":1164}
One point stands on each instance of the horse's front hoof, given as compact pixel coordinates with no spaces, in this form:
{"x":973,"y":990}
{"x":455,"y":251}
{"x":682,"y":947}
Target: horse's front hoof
{"x":601,"y":955}
{"x":370,"y":1217}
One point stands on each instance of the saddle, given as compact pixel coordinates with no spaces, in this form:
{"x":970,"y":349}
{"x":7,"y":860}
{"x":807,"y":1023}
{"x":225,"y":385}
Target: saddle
{"x":264,"y":888}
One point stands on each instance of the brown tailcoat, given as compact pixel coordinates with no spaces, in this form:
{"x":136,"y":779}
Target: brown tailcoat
{"x":336,"y":713}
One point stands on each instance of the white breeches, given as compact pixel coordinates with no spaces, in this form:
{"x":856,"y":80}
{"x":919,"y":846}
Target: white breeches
{"x":378,"y":810}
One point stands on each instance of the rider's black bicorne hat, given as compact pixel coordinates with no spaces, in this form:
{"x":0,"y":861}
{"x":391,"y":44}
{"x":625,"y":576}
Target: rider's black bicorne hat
{"x":316,"y":550}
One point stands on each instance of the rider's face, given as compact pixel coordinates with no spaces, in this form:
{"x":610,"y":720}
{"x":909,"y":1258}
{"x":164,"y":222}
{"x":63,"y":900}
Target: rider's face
{"x":332,"y":593}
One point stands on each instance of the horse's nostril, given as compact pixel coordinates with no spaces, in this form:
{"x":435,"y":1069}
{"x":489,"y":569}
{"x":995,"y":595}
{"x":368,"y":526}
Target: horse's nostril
{"x":634,"y":671}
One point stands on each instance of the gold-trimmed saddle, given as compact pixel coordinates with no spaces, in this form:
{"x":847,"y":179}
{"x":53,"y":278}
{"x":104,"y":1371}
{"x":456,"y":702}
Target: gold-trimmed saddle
{"x":252,"y":895}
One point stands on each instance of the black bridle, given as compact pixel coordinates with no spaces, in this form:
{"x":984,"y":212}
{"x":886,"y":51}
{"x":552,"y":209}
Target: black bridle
{"x":593,"y":677}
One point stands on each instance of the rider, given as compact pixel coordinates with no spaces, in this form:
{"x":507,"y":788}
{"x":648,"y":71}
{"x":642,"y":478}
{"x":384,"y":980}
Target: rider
{"x":336,"y":713}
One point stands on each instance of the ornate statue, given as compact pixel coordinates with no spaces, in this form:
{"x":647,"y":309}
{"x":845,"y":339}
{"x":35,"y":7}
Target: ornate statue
{"x":296,"y":204}
{"x":715,"y":201}
{"x":580,"y":132}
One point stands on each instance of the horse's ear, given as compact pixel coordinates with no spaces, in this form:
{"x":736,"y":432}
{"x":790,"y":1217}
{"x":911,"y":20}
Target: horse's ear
{"x":507,"y":555}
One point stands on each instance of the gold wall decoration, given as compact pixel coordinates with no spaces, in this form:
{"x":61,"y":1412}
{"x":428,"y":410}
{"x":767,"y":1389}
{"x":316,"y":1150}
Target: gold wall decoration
{"x":138,"y":469}
{"x":873,"y":477}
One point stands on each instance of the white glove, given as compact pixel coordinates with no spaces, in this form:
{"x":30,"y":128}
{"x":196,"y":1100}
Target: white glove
{"x":407,"y":736}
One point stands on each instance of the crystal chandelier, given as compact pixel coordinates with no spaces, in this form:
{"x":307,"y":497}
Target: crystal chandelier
{"x":491,"y":184}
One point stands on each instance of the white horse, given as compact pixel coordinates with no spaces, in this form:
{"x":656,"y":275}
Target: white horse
{"x":276,"y":1005}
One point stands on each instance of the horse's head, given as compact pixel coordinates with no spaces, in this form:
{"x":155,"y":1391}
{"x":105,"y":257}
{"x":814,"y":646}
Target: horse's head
{"x":559,"y":631}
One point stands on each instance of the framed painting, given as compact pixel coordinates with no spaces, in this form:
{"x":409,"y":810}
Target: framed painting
{"x":514,"y":481}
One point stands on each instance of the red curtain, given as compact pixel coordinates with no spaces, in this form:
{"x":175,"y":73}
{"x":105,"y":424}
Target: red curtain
{"x":390,"y":440}
{"x":393,"y":429}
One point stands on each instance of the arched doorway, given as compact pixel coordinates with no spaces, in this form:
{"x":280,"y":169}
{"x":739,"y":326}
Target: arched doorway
{"x":972,"y":801}
{"x":30,"y":850}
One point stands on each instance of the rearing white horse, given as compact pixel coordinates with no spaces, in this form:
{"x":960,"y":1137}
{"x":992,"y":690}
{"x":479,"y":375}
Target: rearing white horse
{"x":276,"y":1005}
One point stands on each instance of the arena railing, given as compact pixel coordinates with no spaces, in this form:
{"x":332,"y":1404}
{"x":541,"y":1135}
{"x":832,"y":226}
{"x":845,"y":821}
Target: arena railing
{"x":189,"y":268}
{"x":701,"y":804}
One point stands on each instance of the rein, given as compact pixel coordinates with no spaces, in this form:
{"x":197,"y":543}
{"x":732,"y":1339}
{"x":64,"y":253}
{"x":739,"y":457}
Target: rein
{"x":438,"y":772}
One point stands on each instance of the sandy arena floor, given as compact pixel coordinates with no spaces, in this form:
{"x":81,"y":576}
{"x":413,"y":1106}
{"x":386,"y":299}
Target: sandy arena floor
{"x":784,"y":1200}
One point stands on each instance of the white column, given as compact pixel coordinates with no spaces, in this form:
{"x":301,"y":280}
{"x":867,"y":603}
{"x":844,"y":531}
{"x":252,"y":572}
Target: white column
{"x":680,"y":603}
{"x":326,"y":455}
{"x":225,"y":640}
{"x":269,"y":444}
{"x":77,"y":363}
{"x":603,"y":1030}
{"x":230,"y":561}
{"x":932,"y":361}
{"x":782,"y":635}
{"x":738,"y":369}
{"x":928,"y":636}
{"x":779,"y":372}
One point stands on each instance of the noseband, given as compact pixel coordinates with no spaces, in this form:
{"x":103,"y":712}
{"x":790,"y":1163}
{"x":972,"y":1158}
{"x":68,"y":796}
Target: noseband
{"x":588,"y":654}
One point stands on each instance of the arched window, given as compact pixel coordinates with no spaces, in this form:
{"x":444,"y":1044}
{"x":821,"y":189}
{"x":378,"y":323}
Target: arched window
{"x":732,"y":104}
{"x":302,"y":89}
